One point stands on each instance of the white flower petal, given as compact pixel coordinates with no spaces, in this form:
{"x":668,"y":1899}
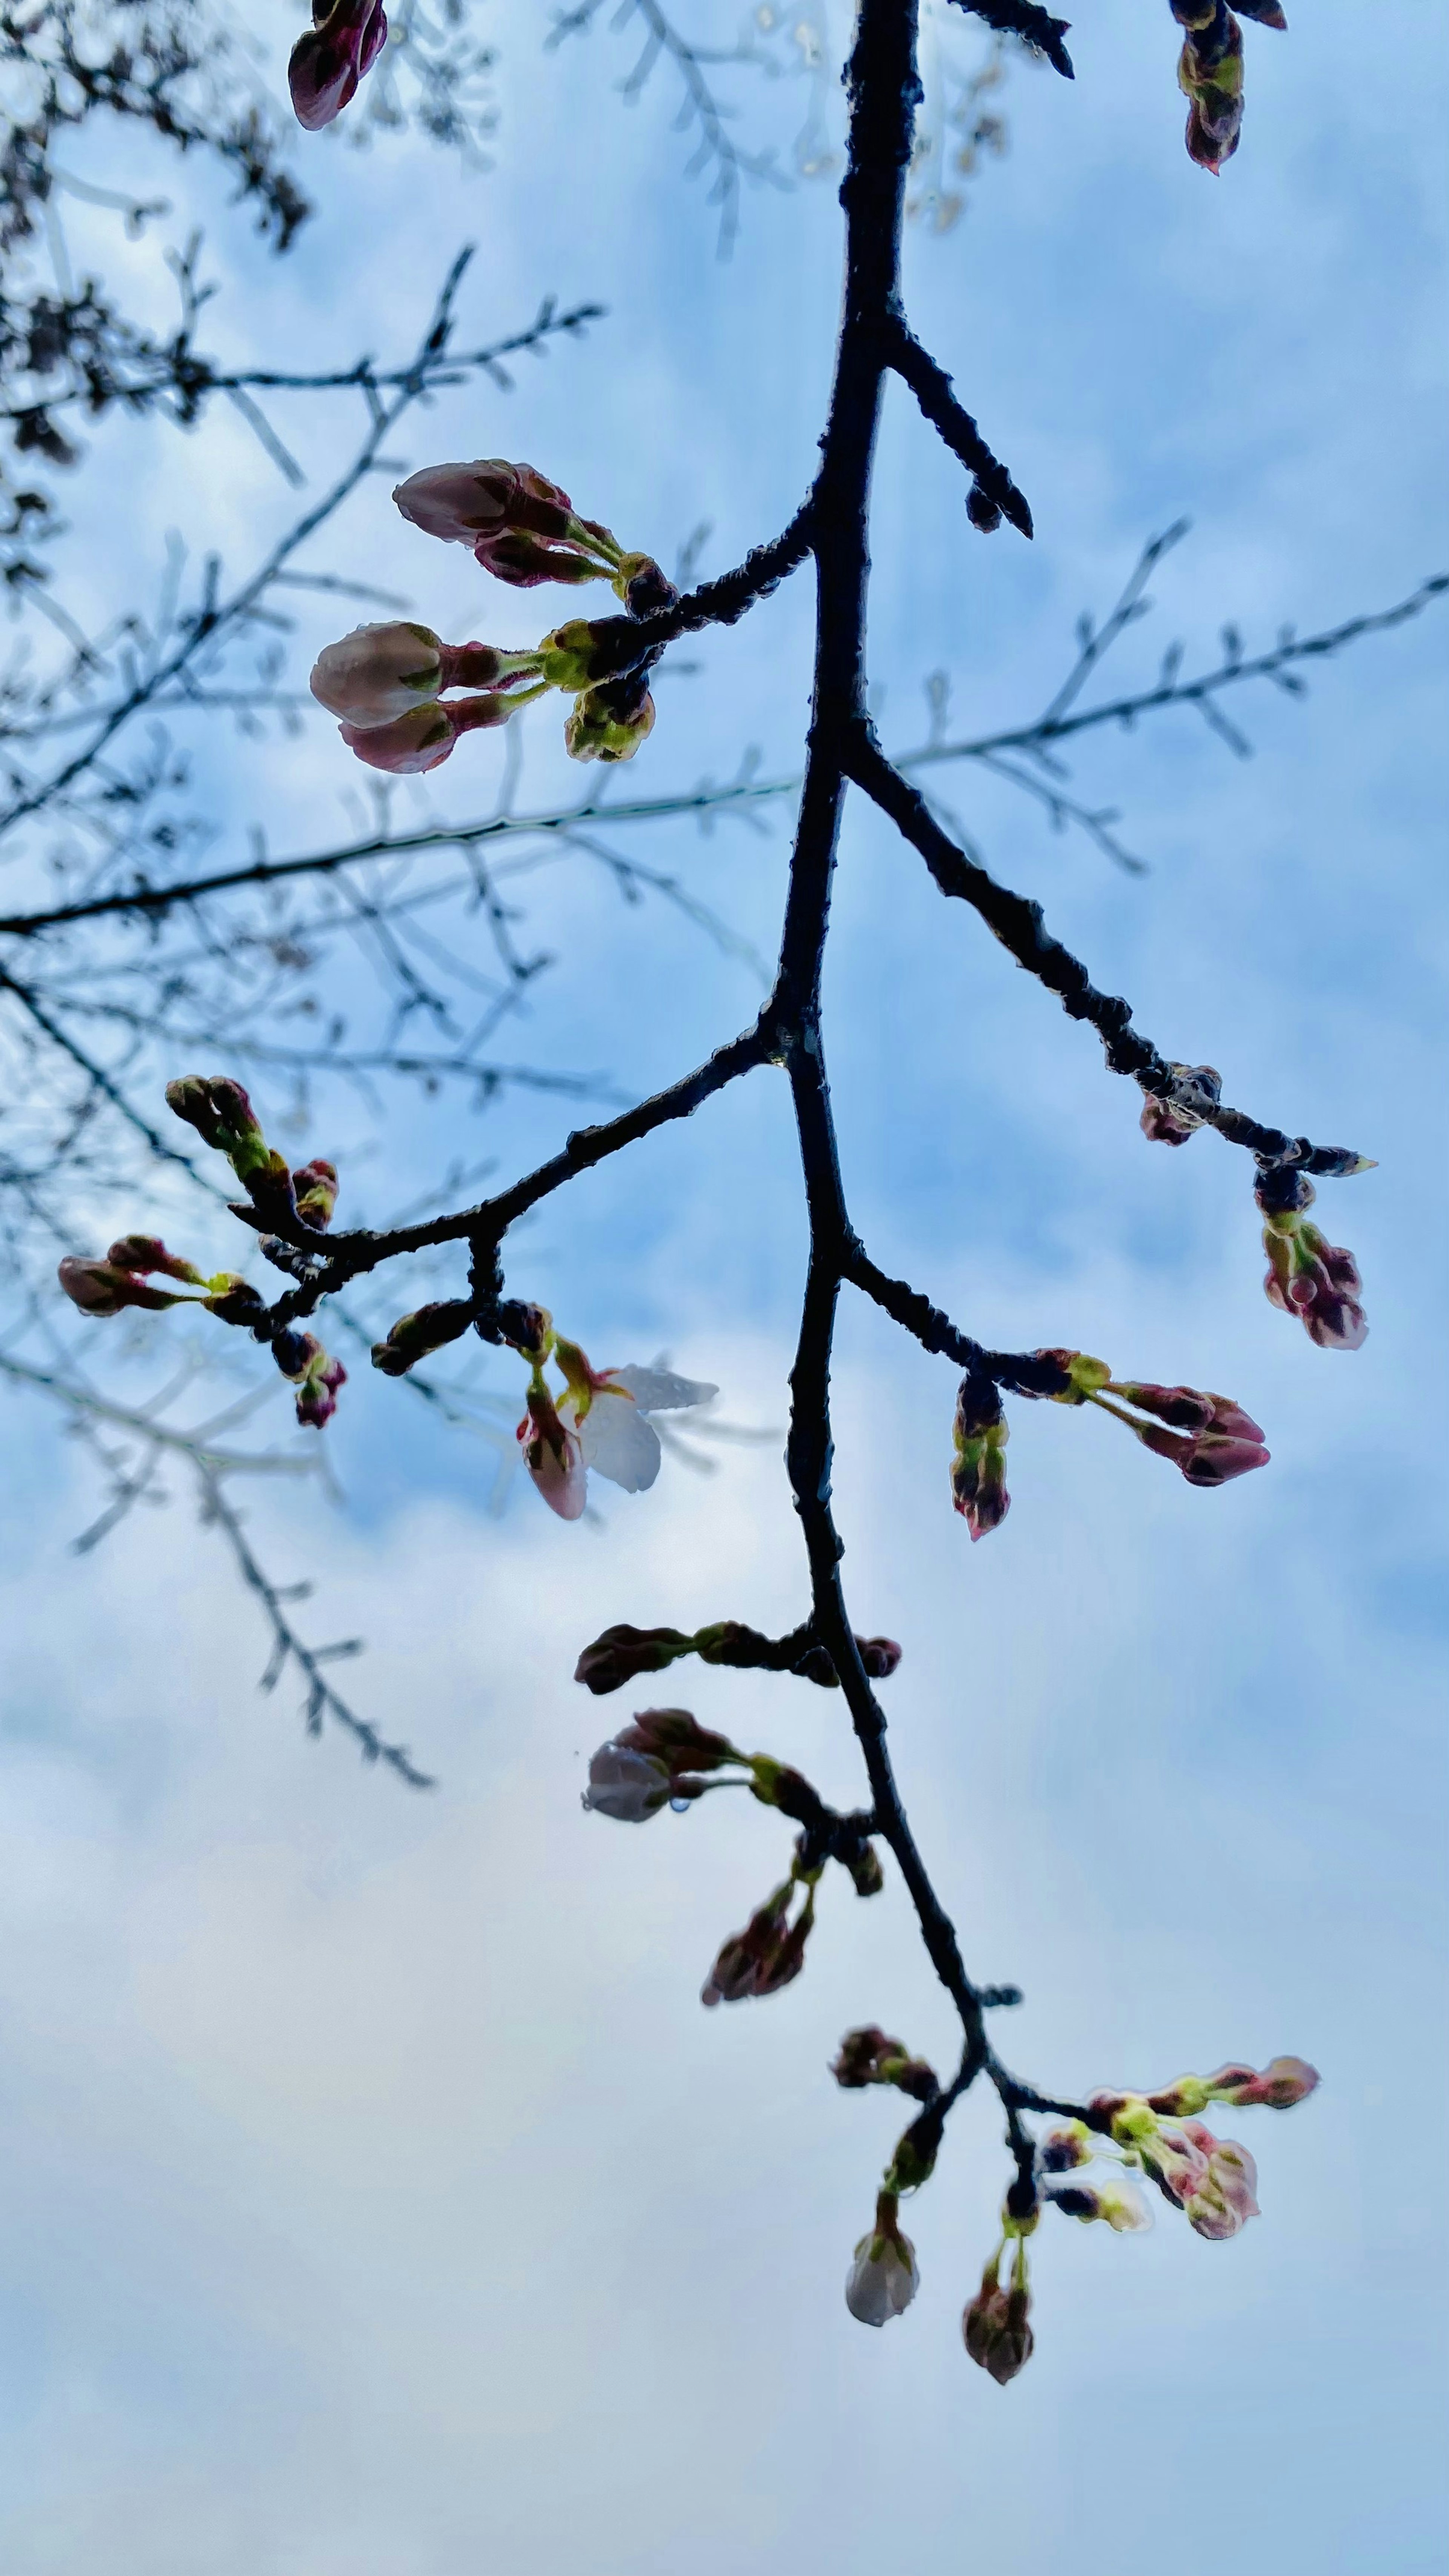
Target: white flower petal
{"x":659,"y":1391}
{"x":618,"y":1443}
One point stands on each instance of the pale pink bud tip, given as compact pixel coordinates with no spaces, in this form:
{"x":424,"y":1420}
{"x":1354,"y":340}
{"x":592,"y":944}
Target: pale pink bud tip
{"x":378,"y":673}
{"x":421,"y":739}
{"x":882,"y":2280}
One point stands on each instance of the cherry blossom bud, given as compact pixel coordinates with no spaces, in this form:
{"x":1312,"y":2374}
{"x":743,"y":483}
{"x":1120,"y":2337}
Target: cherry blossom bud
{"x":1308,"y":1276}
{"x":1223,"y":2198}
{"x":425,"y":736}
{"x":978,"y":1466}
{"x":461,"y":503}
{"x":870,"y":2056}
{"x":626,"y":1784}
{"x":610,"y":723}
{"x":673,"y":1737}
{"x":983,"y":513}
{"x":146,"y":1252}
{"x":883,"y":2279}
{"x":622,"y":1653}
{"x":317,"y":1377}
{"x":336,"y":52}
{"x":105,"y":1288}
{"x":995,"y":2324}
{"x":414,"y":1336}
{"x":1210,"y":74}
{"x":1120,"y":2203}
{"x":524,"y":560}
{"x":1206,"y":1458}
{"x":768,"y":1954}
{"x":314,"y":1187}
{"x":378,"y":673}
{"x":223,"y":1116}
{"x":552,"y":1455}
{"x":1282,"y":2084}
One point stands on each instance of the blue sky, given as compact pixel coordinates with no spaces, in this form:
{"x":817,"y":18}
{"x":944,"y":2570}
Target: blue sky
{"x":378,"y":2197}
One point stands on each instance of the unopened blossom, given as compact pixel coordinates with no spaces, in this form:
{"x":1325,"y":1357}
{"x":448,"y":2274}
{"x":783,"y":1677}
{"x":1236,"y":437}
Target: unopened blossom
{"x":314,"y":1186}
{"x":871,"y":2056}
{"x":883,"y":2277}
{"x":314,"y":1373}
{"x":106,"y":1288}
{"x":413,"y":1337}
{"x":1208,"y":1437}
{"x":461,"y":503}
{"x":995,"y":2324}
{"x":552,"y":1455}
{"x":1118,"y":2202}
{"x":378,"y":672}
{"x":1224,"y":2197}
{"x":1210,"y":74}
{"x":675,"y":1738}
{"x":607,"y":1411}
{"x":626,"y":1784}
{"x":1307,"y":1275}
{"x":522,"y":528}
{"x":621,"y":1654}
{"x":336,"y":52}
{"x":1063,"y":2150}
{"x":978,"y":1460}
{"x":1283,"y":2083}
{"x":381,"y":672}
{"x":768,"y":1954}
{"x":424,"y":738}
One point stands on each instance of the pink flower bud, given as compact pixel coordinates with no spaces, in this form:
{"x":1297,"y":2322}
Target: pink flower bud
{"x":424,"y":737}
{"x":1314,"y":1280}
{"x":1288,"y":2080}
{"x":105,"y":1288}
{"x":884,"y":2277}
{"x":336,"y":52}
{"x":314,"y":1186}
{"x":378,"y":673}
{"x":146,"y":1252}
{"x":1211,"y":76}
{"x":622,"y":1653}
{"x":978,"y":1466}
{"x":626,"y":1784}
{"x":1222,"y":2199}
{"x":463,"y":503}
{"x":768,"y":1954}
{"x":317,"y":1377}
{"x":995,"y":2326}
{"x":673,"y":1737}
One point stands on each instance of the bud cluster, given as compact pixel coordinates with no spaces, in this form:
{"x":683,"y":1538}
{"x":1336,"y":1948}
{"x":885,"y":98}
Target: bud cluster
{"x":1212,"y":2180}
{"x":978,"y":1455}
{"x":1209,"y":1438}
{"x":868,"y":2056}
{"x":386,"y":683}
{"x":1210,"y":73}
{"x":1308,"y":1276}
{"x":995,"y":2323}
{"x":222,"y":1114}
